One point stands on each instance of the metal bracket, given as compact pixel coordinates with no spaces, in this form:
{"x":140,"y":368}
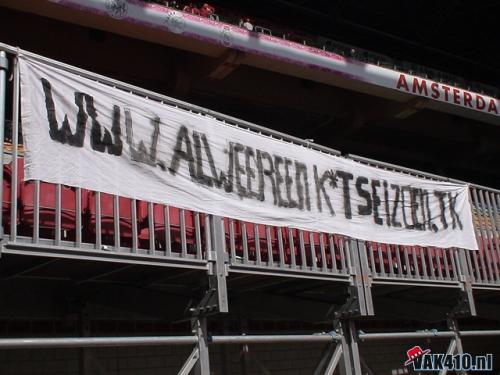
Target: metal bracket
{"x":215,"y":299}
{"x":217,"y":276}
{"x":350,"y":308}
{"x":464,"y":307}
{"x":361,"y":279}
{"x":207,"y":305}
{"x":466,"y":295}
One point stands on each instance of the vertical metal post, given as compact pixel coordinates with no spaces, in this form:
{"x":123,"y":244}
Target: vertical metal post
{"x":270,"y":255}
{"x":78,"y":213}
{"x":57,"y":237}
{"x":182,"y":223}
{"x":116,"y":221}
{"x":15,"y":133}
{"x":345,"y":361}
{"x":133,"y":207}
{"x":256,"y":237}
{"x":333,"y":253}
{"x":466,"y":280}
{"x":455,"y":343}
{"x":199,"y":325}
{"x":453,"y":326}
{"x":352,"y":340}
{"x":232,"y":240}
{"x":4,"y":66}
{"x":36,"y":212}
{"x":168,"y":241}
{"x":363,"y":276}
{"x":98,"y":231}
{"x":218,"y":276}
{"x":151,"y":227}
{"x":197,"y":230}
{"x":358,"y":277}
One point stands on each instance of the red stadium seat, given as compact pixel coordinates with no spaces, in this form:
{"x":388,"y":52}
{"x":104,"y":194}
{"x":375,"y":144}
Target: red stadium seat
{"x":47,"y":207}
{"x":108,"y":221}
{"x":175,"y":227}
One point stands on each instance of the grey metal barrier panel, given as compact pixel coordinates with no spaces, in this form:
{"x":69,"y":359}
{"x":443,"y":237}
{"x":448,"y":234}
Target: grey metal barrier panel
{"x":139,"y":233}
{"x":436,"y":265}
{"x":484,"y":265}
{"x":427,"y":264}
{"x":283,"y":249}
{"x":62,"y":216}
{"x":55,"y":218}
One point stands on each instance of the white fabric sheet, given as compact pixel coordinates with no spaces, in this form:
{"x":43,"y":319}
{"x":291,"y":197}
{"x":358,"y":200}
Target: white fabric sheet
{"x":81,"y":133}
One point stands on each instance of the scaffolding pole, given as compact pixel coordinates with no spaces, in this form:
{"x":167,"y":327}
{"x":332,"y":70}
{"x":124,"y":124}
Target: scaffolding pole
{"x":94,"y":342}
{"x":89,"y":342}
{"x":4,"y":66}
{"x":423,"y":335}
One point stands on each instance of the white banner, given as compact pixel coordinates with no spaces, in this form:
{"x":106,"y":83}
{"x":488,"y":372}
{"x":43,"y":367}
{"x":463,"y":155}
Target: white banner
{"x":81,"y":133}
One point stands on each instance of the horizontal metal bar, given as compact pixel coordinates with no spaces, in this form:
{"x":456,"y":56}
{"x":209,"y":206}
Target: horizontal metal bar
{"x":85,"y":253}
{"x":398,"y":167}
{"x":273,"y":339}
{"x":415,"y":171}
{"x":298,"y":273}
{"x":380,"y":280}
{"x":423,"y":334}
{"x":403,"y":335}
{"x":479,"y":333}
{"x":166,"y":99}
{"x":89,"y":342}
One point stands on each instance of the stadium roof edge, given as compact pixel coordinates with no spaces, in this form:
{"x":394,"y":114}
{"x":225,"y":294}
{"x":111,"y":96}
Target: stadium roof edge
{"x":208,"y":37}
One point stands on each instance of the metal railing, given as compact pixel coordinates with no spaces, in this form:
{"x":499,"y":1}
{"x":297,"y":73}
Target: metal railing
{"x":77,"y":221}
{"x":54,"y":216}
{"x":430,"y":264}
{"x":412,"y":262}
{"x":484,"y":265}
{"x":282,"y":249}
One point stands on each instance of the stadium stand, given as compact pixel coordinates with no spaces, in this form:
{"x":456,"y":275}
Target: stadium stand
{"x":99,"y":282}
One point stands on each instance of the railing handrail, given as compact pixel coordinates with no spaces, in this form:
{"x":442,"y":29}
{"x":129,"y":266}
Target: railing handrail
{"x":305,"y":264}
{"x":416,"y":172}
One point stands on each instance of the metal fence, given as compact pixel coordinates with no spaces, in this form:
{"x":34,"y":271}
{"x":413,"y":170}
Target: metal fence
{"x":50,"y":217}
{"x":286,"y":249}
{"x":430,"y":264}
{"x":484,"y":265}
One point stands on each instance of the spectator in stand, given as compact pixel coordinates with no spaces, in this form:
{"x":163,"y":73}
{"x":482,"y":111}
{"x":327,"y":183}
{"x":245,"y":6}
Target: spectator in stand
{"x":172,"y":4}
{"x":246,"y":24}
{"x":207,"y":10}
{"x":191,"y":8}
